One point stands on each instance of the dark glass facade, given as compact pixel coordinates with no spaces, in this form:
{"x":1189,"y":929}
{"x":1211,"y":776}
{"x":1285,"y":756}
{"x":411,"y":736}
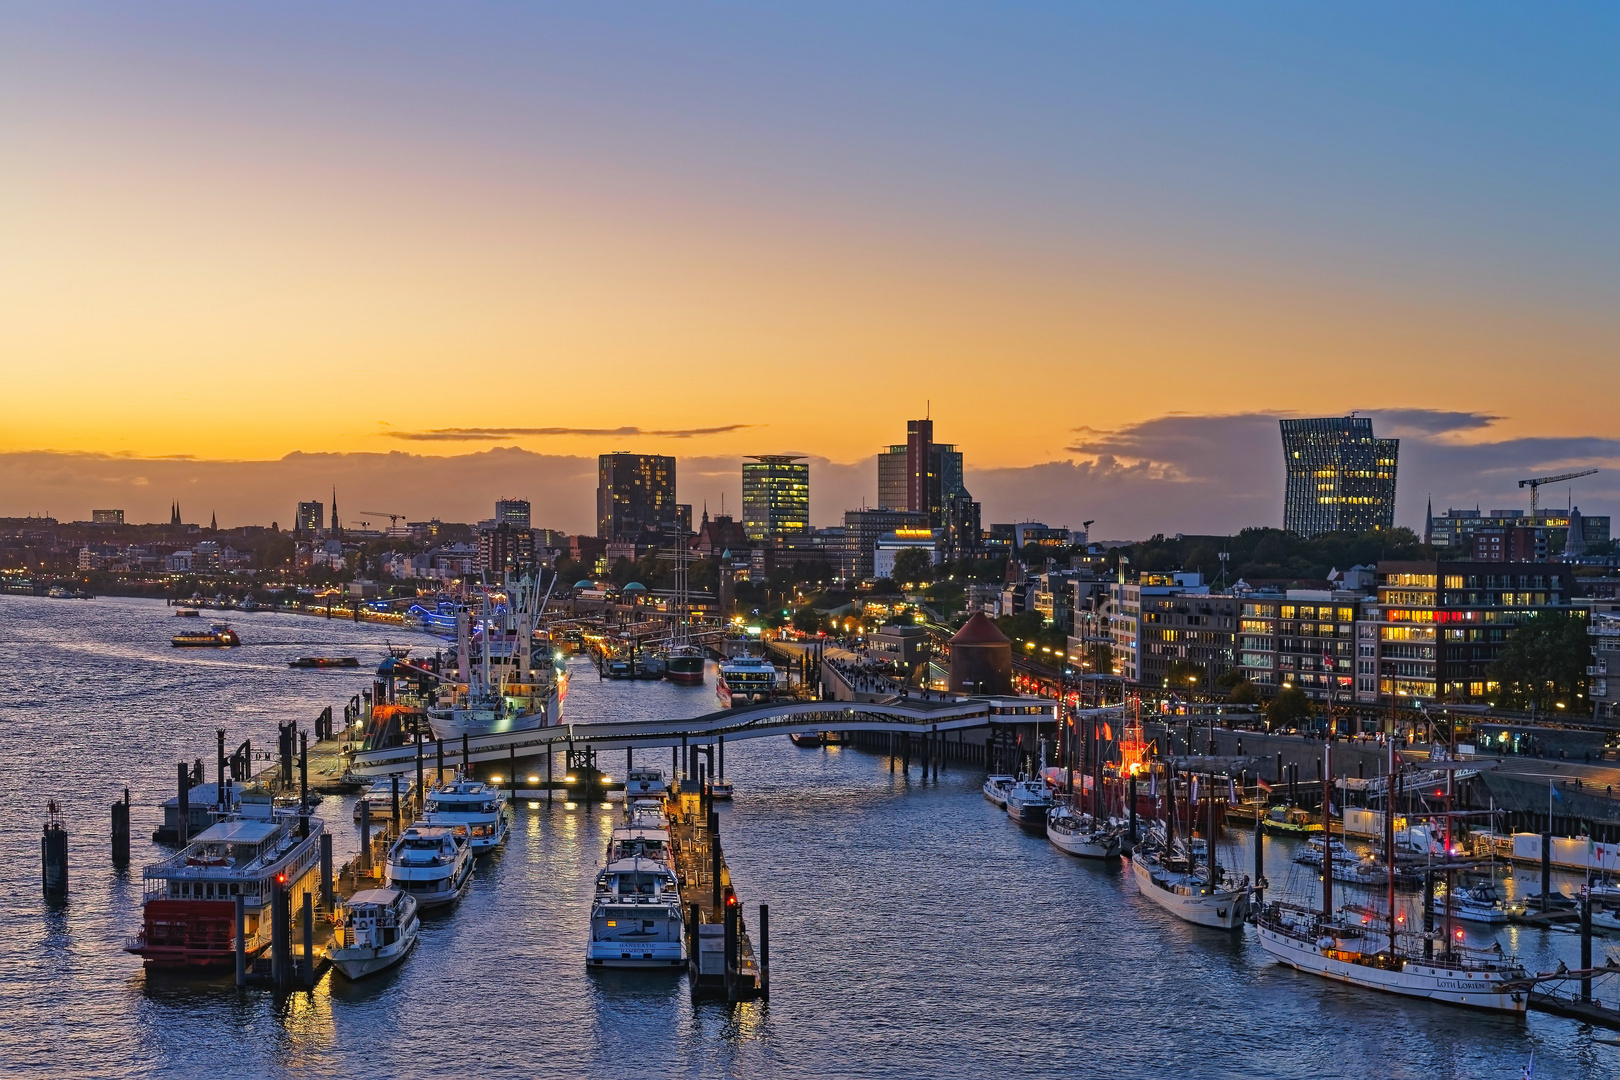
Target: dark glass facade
{"x":635,"y":495}
{"x":1340,"y":478}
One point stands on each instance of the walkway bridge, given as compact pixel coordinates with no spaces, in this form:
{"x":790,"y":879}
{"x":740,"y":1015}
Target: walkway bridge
{"x":903,"y":716}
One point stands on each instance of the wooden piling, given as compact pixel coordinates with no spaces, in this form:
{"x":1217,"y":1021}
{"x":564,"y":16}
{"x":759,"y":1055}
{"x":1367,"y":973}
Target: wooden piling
{"x":365,"y":835}
{"x":53,"y":856}
{"x":1546,"y":869}
{"x":765,"y":951}
{"x":309,"y":941}
{"x":182,"y":808}
{"x":327,"y":897}
{"x":120,"y":831}
{"x":1586,"y":945}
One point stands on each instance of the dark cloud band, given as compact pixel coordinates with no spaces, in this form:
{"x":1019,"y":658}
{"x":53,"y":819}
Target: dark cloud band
{"x":491,"y":434}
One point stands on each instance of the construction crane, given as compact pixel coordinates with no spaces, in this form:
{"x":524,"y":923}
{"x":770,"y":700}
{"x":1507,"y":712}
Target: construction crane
{"x":393,"y":519}
{"x":1535,"y":483}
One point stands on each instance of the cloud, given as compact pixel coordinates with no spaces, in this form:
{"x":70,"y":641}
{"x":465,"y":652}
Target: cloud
{"x":497,"y":433}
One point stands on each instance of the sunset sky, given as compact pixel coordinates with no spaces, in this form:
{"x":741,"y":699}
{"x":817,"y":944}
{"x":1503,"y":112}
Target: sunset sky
{"x":1074,"y":232}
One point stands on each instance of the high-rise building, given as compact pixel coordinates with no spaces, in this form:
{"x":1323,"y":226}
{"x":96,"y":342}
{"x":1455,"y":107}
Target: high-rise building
{"x":923,"y":476}
{"x":514,"y":512}
{"x":505,"y":549}
{"x":1340,"y":478}
{"x":776,"y":496}
{"x":863,"y":529}
{"x":309,"y":519}
{"x":635,"y":494}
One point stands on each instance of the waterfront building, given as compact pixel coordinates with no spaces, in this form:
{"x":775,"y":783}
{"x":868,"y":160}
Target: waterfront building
{"x":776,"y":497}
{"x":513,"y":512}
{"x":106,"y":517}
{"x":1150,"y":624}
{"x":309,"y":519}
{"x":1309,"y":639}
{"x":1442,"y":624}
{"x":1340,"y":478}
{"x":635,"y":494}
{"x":1604,"y":633}
{"x":890,"y":545}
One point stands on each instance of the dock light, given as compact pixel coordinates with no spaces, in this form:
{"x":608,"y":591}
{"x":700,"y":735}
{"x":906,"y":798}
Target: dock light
{"x":534,"y":779}
{"x":495,"y":779}
{"x":570,"y":779}
{"x":606,"y":779}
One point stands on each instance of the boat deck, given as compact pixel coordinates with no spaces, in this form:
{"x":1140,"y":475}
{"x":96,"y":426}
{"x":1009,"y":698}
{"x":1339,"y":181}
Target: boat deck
{"x":695,"y":847}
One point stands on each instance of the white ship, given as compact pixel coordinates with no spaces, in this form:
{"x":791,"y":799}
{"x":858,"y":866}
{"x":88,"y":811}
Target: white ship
{"x":479,"y":806}
{"x":375,"y":929}
{"x":431,"y":862}
{"x":636,"y":917}
{"x":1169,"y":877}
{"x":502,"y":682}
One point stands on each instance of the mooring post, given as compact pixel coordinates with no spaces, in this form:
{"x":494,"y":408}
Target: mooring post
{"x":551,"y":755}
{"x":120,"y":831}
{"x":309,"y":941}
{"x":1546,"y":869}
{"x":419,"y":788}
{"x":438,"y":749}
{"x":891,"y":753}
{"x":512,"y":767}
{"x":765,"y":952}
{"x":53,"y":853}
{"x":394,"y":777}
{"x":731,"y":952}
{"x":365,"y":834}
{"x":241,"y":940}
{"x":219,"y":792}
{"x":466,"y":757}
{"x":303,"y":769}
{"x":1133,"y":810}
{"x":327,"y":899}
{"x":694,"y":920}
{"x":686,"y":764}
{"x":1586,"y":943}
{"x":278,"y":943}
{"x":182,"y":807}
{"x":714,"y":855}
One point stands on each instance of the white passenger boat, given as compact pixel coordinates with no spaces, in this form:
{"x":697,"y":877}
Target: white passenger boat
{"x":1311,"y":853}
{"x":1027,"y":803}
{"x":477,"y":805}
{"x":375,"y":929}
{"x":639,"y":842}
{"x":636,"y":918}
{"x":1170,"y":879}
{"x":380,"y":797}
{"x":1476,"y":903}
{"x":745,"y":680}
{"x":645,"y":782}
{"x":721,"y":789}
{"x":431,"y":862}
{"x":1346,"y":951}
{"x":1079,"y":835}
{"x":996,"y":787}
{"x":646,"y":814}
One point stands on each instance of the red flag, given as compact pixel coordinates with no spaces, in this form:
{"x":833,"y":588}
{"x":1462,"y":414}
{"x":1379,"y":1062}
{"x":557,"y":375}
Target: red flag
{"x":1108,"y":733}
{"x":1263,"y":785}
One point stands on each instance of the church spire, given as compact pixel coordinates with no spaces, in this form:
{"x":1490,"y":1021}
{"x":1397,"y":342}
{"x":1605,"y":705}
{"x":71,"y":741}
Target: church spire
{"x":174,"y":514}
{"x":1428,"y":522}
{"x":213,"y":521}
{"x":337,"y":530}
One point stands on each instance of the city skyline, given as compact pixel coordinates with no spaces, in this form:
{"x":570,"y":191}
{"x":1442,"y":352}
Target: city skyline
{"x":1244,"y":213}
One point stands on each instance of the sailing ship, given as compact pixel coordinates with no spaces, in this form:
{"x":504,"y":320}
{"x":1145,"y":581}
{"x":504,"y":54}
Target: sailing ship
{"x":1168,"y":872}
{"x":503,"y":683}
{"x":1348,"y":947}
{"x":683,"y":659}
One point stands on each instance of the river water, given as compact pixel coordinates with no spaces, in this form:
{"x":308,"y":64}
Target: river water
{"x":915,"y":931}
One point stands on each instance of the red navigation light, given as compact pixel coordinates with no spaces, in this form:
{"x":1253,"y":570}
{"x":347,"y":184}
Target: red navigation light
{"x":731,"y":900}
{"x":1459,"y":935}
{"x":281,"y":879}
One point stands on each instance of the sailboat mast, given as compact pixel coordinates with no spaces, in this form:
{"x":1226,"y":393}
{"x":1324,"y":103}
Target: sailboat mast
{"x":1389,"y":837}
{"x":1327,"y":832}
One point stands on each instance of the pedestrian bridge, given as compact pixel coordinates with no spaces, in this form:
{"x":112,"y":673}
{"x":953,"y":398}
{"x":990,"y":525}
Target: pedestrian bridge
{"x":902,"y":716}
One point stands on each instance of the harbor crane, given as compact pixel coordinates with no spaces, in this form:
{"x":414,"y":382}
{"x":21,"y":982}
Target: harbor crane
{"x":393,"y":519}
{"x":1535,"y":483}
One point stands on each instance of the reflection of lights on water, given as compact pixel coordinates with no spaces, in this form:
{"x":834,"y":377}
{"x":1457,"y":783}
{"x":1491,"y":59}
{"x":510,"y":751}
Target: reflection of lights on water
{"x":533,"y":805}
{"x":569,"y":806}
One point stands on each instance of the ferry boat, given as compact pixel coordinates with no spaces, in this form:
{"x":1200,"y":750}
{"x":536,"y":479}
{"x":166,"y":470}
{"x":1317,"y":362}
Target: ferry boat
{"x":1079,"y":835}
{"x":744,"y":680}
{"x":431,"y":862}
{"x":190,"y":898}
{"x":375,"y":929}
{"x":636,"y":917}
{"x":640,"y":842}
{"x":380,"y":797}
{"x":1290,"y":821}
{"x":1169,"y":877}
{"x":477,"y":805}
{"x":219,"y":635}
{"x":996,"y":787}
{"x":324,"y":662}
{"x":1028,"y":802}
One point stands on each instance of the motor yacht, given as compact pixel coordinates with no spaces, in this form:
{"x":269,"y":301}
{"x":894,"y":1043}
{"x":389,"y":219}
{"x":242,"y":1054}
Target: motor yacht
{"x":1475,"y":903}
{"x":479,"y":806}
{"x":1311,"y":853}
{"x":645,"y":782}
{"x":431,"y":862}
{"x":375,"y":929}
{"x":646,"y":814}
{"x":636,"y":917}
{"x":640,"y":842}
{"x":1028,"y":802}
{"x":1078,"y":834}
{"x":996,"y":787}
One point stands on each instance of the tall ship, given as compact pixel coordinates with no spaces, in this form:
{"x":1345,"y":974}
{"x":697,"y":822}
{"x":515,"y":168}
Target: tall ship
{"x":1168,"y":871}
{"x":502,"y":681}
{"x":745,"y":680}
{"x":683,"y":658}
{"x":1351,"y":946}
{"x":189,"y":912}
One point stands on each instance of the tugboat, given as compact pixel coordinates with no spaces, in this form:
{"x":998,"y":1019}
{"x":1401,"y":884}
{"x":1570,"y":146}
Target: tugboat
{"x":190,"y":898}
{"x":219,"y":635}
{"x":375,"y":930}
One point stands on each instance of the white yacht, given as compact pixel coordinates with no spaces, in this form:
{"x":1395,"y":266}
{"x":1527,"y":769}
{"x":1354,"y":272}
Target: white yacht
{"x":1311,"y":853}
{"x":380,"y":797}
{"x":646,"y":814}
{"x":636,"y":918}
{"x":375,"y":929}
{"x":1476,"y":903}
{"x":645,"y":782}
{"x":431,"y":862}
{"x":1078,"y":834}
{"x":1028,"y":802}
{"x":477,"y":805}
{"x":1171,"y":879}
{"x":639,"y":842}
{"x":1345,"y":951}
{"x":996,"y":787}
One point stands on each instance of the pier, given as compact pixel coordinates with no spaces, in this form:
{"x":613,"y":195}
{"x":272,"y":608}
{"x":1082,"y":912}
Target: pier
{"x":721,"y":960}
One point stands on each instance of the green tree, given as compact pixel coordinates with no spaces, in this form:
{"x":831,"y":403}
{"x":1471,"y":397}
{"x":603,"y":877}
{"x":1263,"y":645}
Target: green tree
{"x":913,"y":564}
{"x":1543,"y":663}
{"x":1244,"y":693}
{"x":1231,"y":679}
{"x":1288,"y":708}
{"x":1185,"y":676}
{"x":808,"y":620}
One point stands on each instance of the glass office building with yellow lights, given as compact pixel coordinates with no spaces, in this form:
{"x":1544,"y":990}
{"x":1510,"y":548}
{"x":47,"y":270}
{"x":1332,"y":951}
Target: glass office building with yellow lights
{"x":776,"y":496}
{"x":1340,"y":478}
